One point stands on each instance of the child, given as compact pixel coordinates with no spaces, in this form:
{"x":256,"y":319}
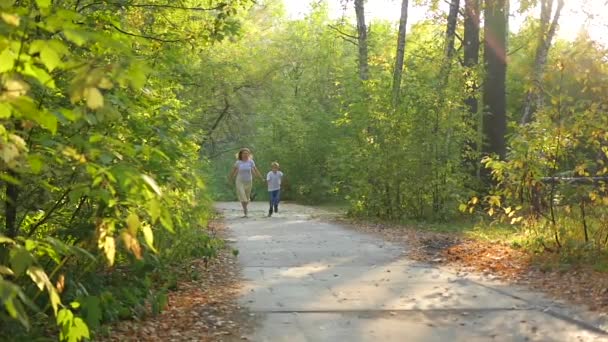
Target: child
{"x":273,"y":178}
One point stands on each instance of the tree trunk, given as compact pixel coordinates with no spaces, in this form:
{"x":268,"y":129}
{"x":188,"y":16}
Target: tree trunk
{"x":450,"y":32}
{"x":12,"y":194}
{"x":362,"y":40}
{"x":547,"y":31}
{"x":471,"y":48}
{"x":494,"y":87}
{"x":398,"y":71}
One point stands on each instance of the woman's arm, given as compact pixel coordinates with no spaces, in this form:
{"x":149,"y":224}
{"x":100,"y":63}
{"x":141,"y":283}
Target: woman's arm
{"x":257,"y":173}
{"x":233,"y":172}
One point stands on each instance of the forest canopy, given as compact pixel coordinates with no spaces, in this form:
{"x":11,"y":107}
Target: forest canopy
{"x":119,"y":121}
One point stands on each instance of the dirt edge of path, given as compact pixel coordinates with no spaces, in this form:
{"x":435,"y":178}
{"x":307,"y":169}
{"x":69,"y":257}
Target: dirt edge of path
{"x":581,"y":286}
{"x":203,"y":308}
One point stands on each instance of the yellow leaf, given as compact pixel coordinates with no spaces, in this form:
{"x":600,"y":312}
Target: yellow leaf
{"x":152,"y":183}
{"x":8,"y":152}
{"x":14,"y":88}
{"x":148,"y":236}
{"x":38,"y":276}
{"x":11,"y":19}
{"x":93,"y":97}
{"x":6,"y":270}
{"x":474,"y":200}
{"x":105,"y":83}
{"x":131,"y":243}
{"x":109,"y":247}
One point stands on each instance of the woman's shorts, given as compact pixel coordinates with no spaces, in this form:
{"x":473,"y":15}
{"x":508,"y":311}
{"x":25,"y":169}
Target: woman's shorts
{"x":243,"y":190}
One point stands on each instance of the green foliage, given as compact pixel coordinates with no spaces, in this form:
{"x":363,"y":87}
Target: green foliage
{"x":102,"y":178}
{"x":545,"y":187}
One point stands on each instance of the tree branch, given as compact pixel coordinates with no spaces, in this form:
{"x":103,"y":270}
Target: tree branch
{"x":342,"y":32}
{"x":145,"y":36}
{"x":184,"y":8}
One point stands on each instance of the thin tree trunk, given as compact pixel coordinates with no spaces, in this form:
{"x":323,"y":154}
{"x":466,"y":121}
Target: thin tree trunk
{"x":450,"y":32}
{"x":362,"y":40}
{"x":494,"y":87}
{"x":547,"y":31}
{"x":398,"y":71}
{"x":471,"y":48}
{"x":471,"y":62}
{"x":12,"y":195}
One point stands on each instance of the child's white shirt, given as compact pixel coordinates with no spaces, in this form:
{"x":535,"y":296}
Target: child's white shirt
{"x":274,"y":180}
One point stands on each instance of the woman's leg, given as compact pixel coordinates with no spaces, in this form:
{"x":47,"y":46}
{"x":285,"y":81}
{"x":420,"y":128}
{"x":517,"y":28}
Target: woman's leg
{"x":244,"y":205}
{"x":243,"y":194}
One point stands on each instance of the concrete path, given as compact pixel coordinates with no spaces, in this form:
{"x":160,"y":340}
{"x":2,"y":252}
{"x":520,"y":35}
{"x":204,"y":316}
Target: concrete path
{"x":309,"y":280}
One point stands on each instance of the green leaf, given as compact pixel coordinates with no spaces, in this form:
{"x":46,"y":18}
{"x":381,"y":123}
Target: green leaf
{"x":75,"y":36}
{"x":5,"y":110}
{"x":50,"y":58}
{"x":21,"y":259}
{"x":148,"y":236}
{"x":7,"y":60}
{"x":133,"y":223}
{"x":166,"y":220}
{"x":79,"y":331}
{"x":9,"y":293}
{"x":7,"y":3}
{"x":92,"y":311}
{"x":152,"y":183}
{"x":47,"y":120}
{"x":36,"y":163}
{"x":40,"y":75}
{"x":154,"y":209}
{"x":70,"y":114}
{"x":43,"y":3}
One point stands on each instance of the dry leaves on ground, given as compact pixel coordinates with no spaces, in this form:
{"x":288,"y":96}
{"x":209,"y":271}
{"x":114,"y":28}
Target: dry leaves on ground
{"x":579,"y":285}
{"x":200,"y":310}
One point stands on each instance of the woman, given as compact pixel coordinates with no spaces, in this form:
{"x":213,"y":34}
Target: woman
{"x":243,"y":172}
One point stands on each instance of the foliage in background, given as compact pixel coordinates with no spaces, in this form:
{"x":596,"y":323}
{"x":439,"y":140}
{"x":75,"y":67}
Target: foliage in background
{"x":295,"y":96}
{"x":103,"y":186}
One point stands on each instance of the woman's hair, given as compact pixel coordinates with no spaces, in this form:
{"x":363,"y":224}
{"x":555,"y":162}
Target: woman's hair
{"x":239,"y":155}
{"x":275,"y":164}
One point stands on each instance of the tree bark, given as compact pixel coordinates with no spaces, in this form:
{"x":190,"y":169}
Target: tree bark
{"x":471,"y":48}
{"x":450,"y":32}
{"x":10,"y":203}
{"x":494,"y":87}
{"x":362,"y":40}
{"x":398,"y":71}
{"x":547,"y":30}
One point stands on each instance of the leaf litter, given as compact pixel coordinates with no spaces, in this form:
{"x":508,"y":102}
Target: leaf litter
{"x":581,"y":285}
{"x":203,"y":308}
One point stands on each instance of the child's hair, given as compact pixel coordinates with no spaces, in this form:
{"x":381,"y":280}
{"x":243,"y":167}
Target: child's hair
{"x":274,"y":164}
{"x":239,"y":156}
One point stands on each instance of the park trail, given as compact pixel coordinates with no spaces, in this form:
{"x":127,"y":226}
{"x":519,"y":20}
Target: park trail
{"x":308,"y":279}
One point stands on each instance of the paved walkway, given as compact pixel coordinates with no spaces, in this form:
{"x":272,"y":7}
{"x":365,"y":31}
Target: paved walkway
{"x":309,"y":280}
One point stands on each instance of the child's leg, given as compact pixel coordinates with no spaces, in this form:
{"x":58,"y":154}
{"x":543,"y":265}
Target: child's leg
{"x":270,"y":202}
{"x":275,"y":202}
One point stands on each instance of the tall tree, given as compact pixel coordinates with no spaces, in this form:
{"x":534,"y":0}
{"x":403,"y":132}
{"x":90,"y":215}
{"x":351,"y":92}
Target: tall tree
{"x":362,"y":39}
{"x":494,"y":86}
{"x":450,"y":33}
{"x":546,"y":32}
{"x":471,"y":47}
{"x":398,"y":71}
